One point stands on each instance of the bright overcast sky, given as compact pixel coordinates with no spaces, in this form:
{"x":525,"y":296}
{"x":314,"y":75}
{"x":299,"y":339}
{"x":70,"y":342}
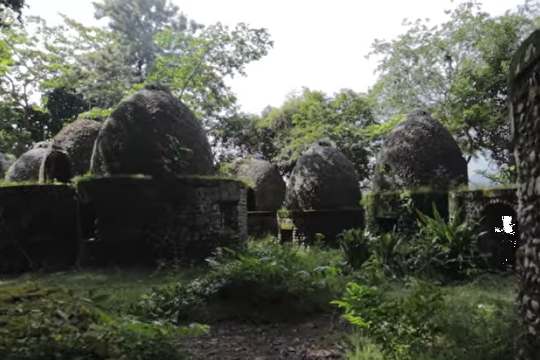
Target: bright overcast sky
{"x":318,"y":44}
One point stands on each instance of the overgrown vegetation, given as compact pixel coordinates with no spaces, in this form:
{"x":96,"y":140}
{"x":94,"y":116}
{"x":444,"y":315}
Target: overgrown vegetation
{"x":440,"y":249}
{"x":435,"y":315}
{"x":267,"y":281}
{"x":397,"y":311}
{"x":426,"y":321}
{"x":40,"y":320}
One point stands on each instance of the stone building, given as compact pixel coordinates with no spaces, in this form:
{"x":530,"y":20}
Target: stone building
{"x":77,"y":139}
{"x":152,"y":133}
{"x":267,"y":188}
{"x":323,"y":179}
{"x":26,"y":167}
{"x":419,"y":153}
{"x":323,"y":194}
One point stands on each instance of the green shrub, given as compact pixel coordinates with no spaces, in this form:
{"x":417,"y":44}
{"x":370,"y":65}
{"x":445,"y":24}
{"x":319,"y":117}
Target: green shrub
{"x":268,"y":280}
{"x":375,"y":256}
{"x":354,"y":245}
{"x":448,"y":249}
{"x":54,"y":324}
{"x":402,"y":326}
{"x":363,"y":348}
{"x":423,"y":321}
{"x":389,"y":249}
{"x":445,"y":250}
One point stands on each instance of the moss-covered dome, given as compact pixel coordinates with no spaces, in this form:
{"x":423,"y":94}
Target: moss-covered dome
{"x":323,"y":178}
{"x":152,"y":133}
{"x":419,"y":152}
{"x":264,"y":179}
{"x":26,"y":167}
{"x":77,"y":139}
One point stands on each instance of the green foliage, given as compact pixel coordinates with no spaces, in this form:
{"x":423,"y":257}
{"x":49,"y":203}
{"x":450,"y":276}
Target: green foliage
{"x":281,"y":134}
{"x":42,"y":323}
{"x":195,"y":66}
{"x":146,"y":41}
{"x":402,"y":326}
{"x":354,"y":245}
{"x":363,"y":348}
{"x":424,"y":321}
{"x":137,"y":23}
{"x":27,"y":64}
{"x":447,"y":248}
{"x":64,"y":105}
{"x":97,"y":114}
{"x":377,"y":132}
{"x":266,"y":281}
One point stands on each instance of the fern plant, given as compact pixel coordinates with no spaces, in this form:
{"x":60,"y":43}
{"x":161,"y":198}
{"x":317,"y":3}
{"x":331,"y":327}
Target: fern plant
{"x":448,"y":247}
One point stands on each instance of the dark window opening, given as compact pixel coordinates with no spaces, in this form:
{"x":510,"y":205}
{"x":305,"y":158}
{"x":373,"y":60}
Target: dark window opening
{"x":229,"y":215}
{"x":251,"y":205}
{"x":500,"y":235}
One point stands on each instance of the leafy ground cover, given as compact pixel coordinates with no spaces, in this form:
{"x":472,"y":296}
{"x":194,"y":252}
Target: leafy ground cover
{"x":268,"y":301}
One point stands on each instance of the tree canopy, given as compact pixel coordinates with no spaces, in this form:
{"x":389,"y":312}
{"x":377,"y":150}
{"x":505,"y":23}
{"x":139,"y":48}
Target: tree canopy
{"x":281,"y":134}
{"x":75,"y":68}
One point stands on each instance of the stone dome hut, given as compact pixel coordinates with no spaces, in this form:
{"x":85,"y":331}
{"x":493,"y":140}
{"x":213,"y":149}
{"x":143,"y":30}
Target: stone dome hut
{"x":26,"y":167}
{"x":152,"y":133}
{"x":420,"y":152}
{"x":267,"y":185}
{"x":323,"y":178}
{"x":77,"y":139}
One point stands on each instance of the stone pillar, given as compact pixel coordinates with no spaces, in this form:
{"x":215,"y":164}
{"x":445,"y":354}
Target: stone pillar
{"x":525,"y":117}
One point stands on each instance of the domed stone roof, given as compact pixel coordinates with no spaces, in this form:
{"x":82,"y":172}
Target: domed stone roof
{"x":77,"y":139}
{"x":419,"y":152}
{"x":323,"y":178}
{"x":26,"y":167}
{"x":152,"y":133}
{"x":264,"y":178}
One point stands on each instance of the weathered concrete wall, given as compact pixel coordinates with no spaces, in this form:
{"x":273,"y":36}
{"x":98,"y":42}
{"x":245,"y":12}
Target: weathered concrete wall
{"x":141,"y":220}
{"x":386,"y":211}
{"x":38,"y":228}
{"x":261,"y":223}
{"x":471,"y":203}
{"x":525,"y":117}
{"x":309,"y":223}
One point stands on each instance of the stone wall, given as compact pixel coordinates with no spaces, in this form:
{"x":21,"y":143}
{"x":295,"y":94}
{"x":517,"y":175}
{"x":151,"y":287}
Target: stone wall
{"x":525,"y":117}
{"x":309,"y":223}
{"x":38,"y":227}
{"x":139,"y":220}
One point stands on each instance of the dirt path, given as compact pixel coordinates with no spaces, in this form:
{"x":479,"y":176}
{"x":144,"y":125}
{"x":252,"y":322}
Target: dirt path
{"x":318,"y":338}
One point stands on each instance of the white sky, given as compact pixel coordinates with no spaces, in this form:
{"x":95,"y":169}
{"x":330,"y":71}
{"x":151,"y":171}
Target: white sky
{"x":318,"y":44}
